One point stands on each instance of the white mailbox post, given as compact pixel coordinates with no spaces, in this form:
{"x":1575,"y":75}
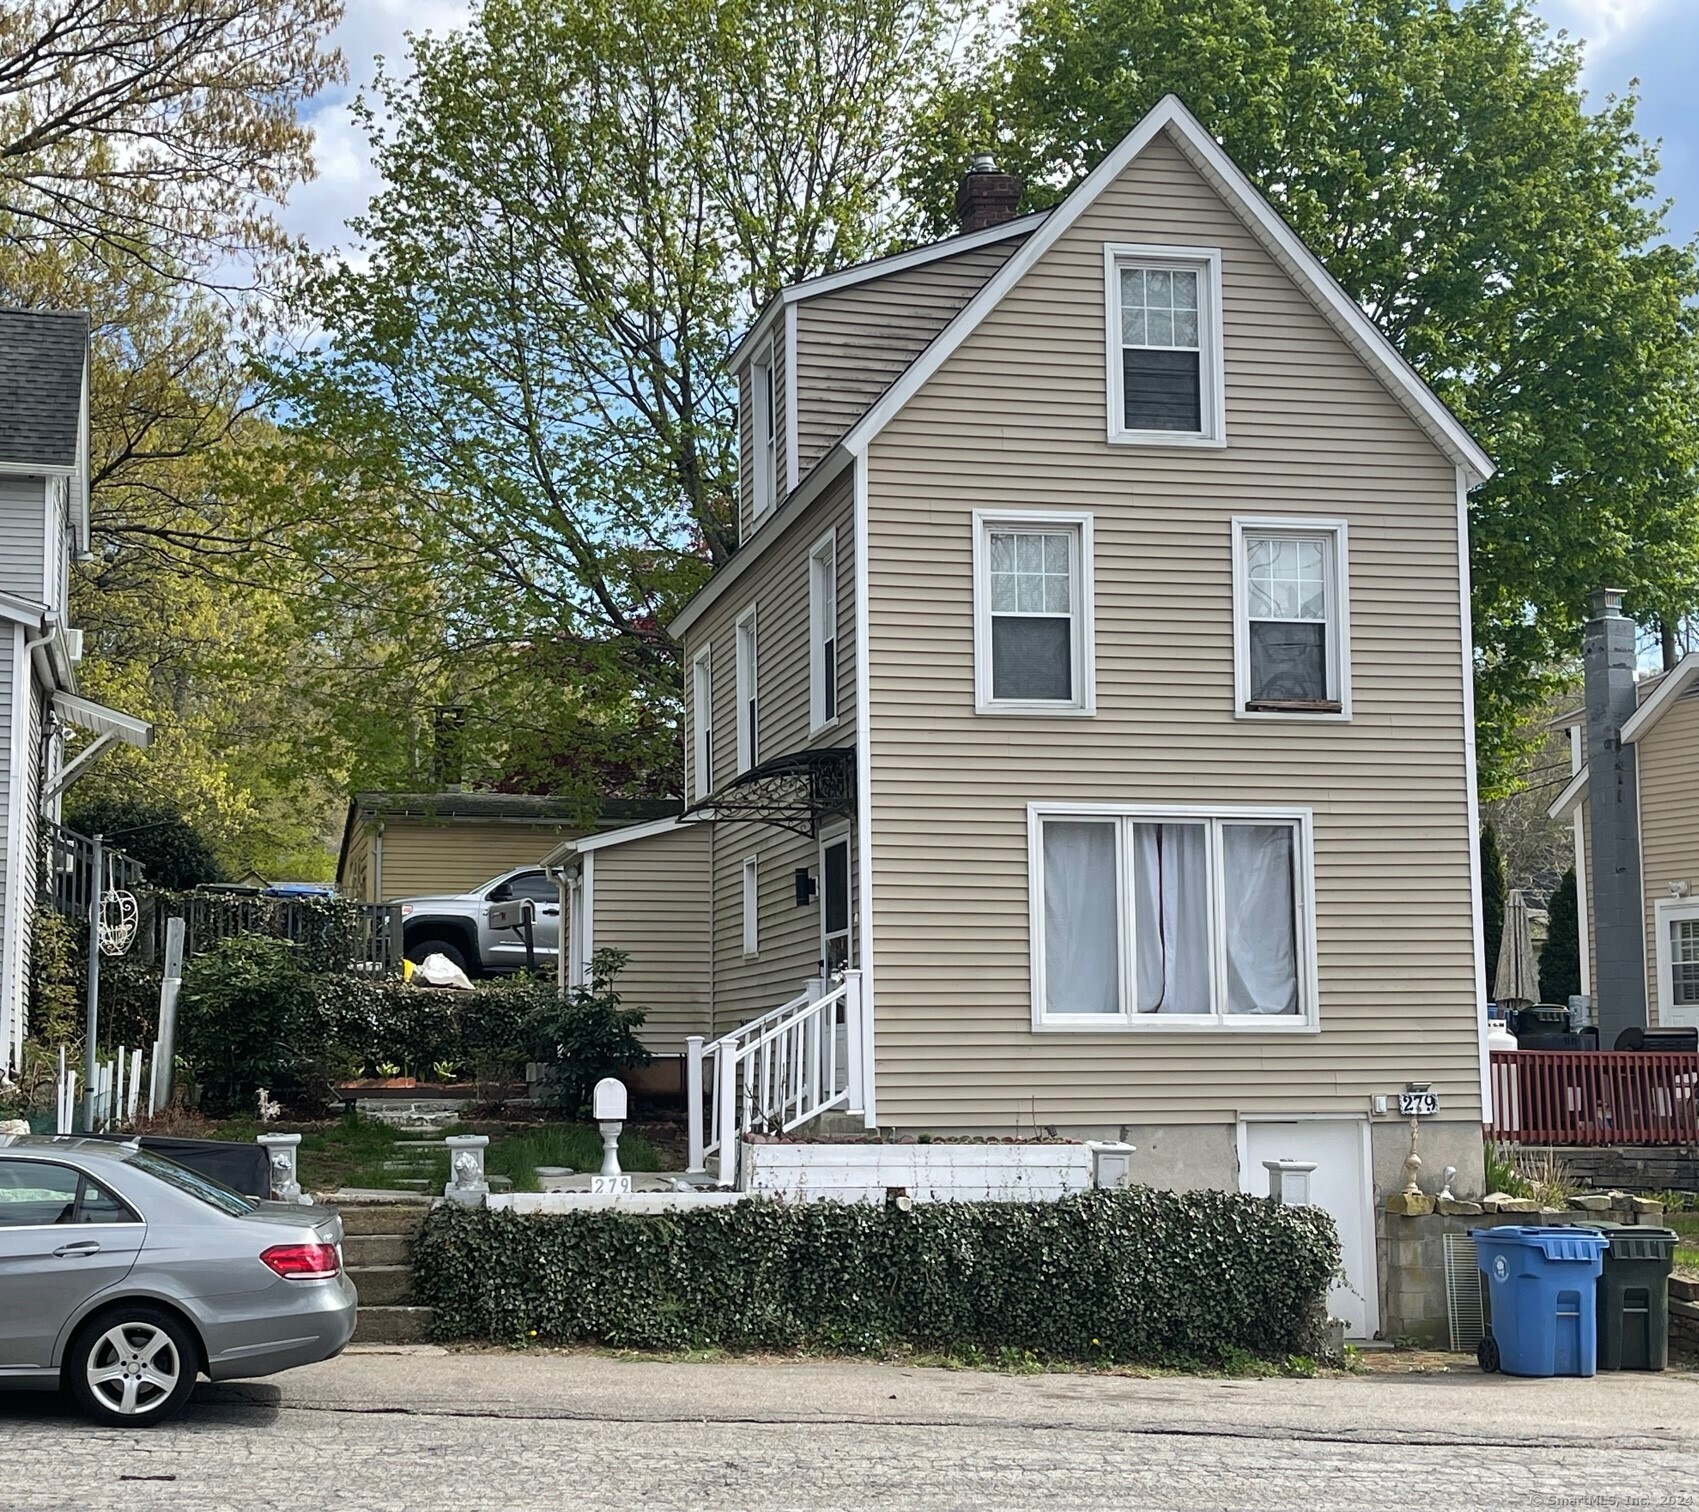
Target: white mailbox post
{"x":608,"y":1101}
{"x":1289,"y":1181}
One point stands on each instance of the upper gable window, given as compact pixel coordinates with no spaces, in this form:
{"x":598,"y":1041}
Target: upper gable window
{"x":764,"y":404}
{"x":1164,"y":374}
{"x":1291,"y":622}
{"x":1032,"y":613}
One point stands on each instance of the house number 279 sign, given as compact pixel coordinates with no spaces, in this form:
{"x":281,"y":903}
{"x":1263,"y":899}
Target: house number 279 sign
{"x":1417,"y":1104}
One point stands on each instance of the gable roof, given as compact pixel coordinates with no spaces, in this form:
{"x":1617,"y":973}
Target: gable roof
{"x":43,"y":354}
{"x":881,"y":267}
{"x":1671,"y":686}
{"x":1281,"y":242}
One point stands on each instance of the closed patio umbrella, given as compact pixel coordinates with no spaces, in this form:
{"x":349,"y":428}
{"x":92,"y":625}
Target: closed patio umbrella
{"x":1517,"y":984}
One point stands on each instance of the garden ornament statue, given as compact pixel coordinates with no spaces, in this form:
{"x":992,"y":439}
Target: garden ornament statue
{"x":268,"y":1108}
{"x":1445,"y":1194}
{"x":466,"y":1182}
{"x":1412,"y":1162}
{"x":283,"y":1151}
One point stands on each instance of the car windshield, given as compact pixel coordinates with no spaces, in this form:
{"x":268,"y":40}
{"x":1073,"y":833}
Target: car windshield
{"x":213,"y":1193}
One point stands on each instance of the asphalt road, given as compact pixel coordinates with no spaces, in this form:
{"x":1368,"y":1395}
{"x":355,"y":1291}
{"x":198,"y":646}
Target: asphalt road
{"x":420,"y":1430}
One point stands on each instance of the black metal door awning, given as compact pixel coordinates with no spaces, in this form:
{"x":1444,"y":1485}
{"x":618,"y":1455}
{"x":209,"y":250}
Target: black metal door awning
{"x":796,"y":792}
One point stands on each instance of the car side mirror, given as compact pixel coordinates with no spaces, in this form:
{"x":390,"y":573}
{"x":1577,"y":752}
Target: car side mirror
{"x":501,"y":893}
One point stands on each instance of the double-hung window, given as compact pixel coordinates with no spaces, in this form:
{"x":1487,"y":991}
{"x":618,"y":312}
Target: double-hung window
{"x":764,"y":411}
{"x":1677,"y":932}
{"x":1171,"y":918}
{"x":823,"y":633}
{"x":1032,"y":613}
{"x":702,"y":722}
{"x":1292,"y":621}
{"x":746,"y":691}
{"x":1164,"y":345}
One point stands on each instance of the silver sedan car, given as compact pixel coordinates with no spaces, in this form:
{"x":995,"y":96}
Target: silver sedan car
{"x":124,"y":1275}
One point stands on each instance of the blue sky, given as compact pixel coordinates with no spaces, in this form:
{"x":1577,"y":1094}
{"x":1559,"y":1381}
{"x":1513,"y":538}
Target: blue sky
{"x":1656,"y":41}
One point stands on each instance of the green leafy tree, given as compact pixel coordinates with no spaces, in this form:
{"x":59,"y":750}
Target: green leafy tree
{"x":1438,"y":156}
{"x":173,"y":853}
{"x":1492,"y":900}
{"x":1560,"y":956}
{"x":582,"y":203}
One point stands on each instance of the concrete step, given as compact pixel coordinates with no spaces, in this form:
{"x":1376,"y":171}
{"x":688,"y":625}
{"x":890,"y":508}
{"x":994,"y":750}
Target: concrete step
{"x":392,"y":1325}
{"x":376,"y":1249}
{"x":393,"y":1217}
{"x":381,"y":1285}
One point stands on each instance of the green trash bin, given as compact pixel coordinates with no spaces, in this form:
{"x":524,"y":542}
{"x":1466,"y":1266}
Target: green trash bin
{"x":1634,"y":1297}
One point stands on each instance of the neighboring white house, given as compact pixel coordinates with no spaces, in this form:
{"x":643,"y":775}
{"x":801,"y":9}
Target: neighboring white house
{"x":44,"y":522}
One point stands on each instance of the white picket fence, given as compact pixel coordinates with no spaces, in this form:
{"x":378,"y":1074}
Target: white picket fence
{"x":117,"y":1091}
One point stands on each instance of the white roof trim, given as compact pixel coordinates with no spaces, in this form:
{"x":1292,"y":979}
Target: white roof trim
{"x":579,"y":844}
{"x":1674,"y":684}
{"x":1571,"y":795}
{"x":89,"y":715}
{"x":896,"y":262}
{"x":21,"y":611}
{"x":1207,"y":155}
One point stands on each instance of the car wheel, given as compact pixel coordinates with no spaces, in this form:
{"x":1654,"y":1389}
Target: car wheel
{"x":417,"y":953}
{"x":132,"y":1366}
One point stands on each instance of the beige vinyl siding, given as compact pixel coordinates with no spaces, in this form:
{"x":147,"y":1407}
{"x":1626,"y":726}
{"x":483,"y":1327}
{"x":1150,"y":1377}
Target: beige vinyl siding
{"x":23,"y":537}
{"x":854,"y":342}
{"x":1668,"y":759}
{"x":10,"y":890}
{"x":777,"y":587}
{"x":1016,"y":419}
{"x":651,"y":900}
{"x":456,"y":854}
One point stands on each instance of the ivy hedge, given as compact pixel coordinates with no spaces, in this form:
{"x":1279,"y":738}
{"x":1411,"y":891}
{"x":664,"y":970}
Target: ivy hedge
{"x":1110,"y":1276}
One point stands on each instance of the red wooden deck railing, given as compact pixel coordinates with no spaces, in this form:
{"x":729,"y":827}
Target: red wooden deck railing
{"x":1594,"y":1097}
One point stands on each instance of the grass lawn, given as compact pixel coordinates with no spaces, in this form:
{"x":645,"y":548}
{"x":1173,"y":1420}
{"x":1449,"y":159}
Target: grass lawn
{"x":356,"y":1152}
{"x":1687,"y":1249}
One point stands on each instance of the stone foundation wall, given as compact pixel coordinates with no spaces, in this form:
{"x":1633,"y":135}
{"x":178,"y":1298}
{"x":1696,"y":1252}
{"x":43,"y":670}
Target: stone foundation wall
{"x":1411,"y":1255}
{"x":1684,"y":1318}
{"x":1639,"y":1168}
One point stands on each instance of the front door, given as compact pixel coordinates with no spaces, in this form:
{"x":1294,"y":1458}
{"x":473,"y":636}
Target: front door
{"x":1340,"y":1185}
{"x":61,"y":1240}
{"x":837,"y":948}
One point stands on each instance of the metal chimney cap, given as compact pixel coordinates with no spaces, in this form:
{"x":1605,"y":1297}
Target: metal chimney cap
{"x":1607,"y":603}
{"x":983,"y":162}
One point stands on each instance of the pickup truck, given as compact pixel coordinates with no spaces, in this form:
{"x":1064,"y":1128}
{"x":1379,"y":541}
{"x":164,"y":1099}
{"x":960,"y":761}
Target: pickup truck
{"x":457,"y":925}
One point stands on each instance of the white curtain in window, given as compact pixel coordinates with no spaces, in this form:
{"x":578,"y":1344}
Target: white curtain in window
{"x":1081,"y":957}
{"x":1260,"y":923}
{"x":1171,"y":917}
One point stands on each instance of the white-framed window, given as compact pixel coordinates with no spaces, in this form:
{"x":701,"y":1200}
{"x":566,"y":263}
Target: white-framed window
{"x":1159,"y":918}
{"x":702,"y":722}
{"x":1032,"y":593}
{"x":1676,"y":922}
{"x":1291,"y":619}
{"x":751,"y":907}
{"x":764,"y":413}
{"x":1164,"y":345}
{"x":747,"y":711}
{"x":823,"y":632}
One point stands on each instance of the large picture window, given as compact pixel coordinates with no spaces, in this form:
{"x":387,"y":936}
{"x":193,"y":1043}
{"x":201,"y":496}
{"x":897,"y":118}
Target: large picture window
{"x":1171,"y":919}
{"x":1164,"y":344}
{"x":1032,"y":608}
{"x":1291,"y":628}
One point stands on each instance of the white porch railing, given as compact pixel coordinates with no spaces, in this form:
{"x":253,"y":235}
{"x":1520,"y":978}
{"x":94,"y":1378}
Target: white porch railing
{"x":777,"y":1072}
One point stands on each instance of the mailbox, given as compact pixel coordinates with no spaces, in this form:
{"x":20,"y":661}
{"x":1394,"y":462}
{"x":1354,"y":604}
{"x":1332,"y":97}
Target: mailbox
{"x":516,"y":913}
{"x":609,"y":1100}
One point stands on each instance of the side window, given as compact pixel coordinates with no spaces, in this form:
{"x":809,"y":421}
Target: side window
{"x":1291,"y":631}
{"x":1165,"y":344}
{"x":747,"y":696}
{"x":1032,"y":609}
{"x":751,"y":908}
{"x":764,"y":414}
{"x":823,"y":633}
{"x":536,"y":886}
{"x":33,"y":1193}
{"x":97,"y":1205}
{"x":702,"y":727}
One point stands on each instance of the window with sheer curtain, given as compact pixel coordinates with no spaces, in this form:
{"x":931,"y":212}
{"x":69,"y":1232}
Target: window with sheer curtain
{"x":1183,"y":920}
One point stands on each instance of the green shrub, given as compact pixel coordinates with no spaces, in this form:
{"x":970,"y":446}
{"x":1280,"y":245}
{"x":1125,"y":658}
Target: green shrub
{"x":247,"y":1012}
{"x":1107,"y":1276}
{"x":584,"y":1035}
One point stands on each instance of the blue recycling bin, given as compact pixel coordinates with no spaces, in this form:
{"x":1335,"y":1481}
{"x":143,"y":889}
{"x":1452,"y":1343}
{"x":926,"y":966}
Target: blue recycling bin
{"x":1541,"y":1288}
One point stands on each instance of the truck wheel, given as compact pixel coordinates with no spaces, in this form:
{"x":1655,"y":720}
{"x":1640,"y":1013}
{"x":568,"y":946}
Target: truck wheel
{"x":417,"y":953}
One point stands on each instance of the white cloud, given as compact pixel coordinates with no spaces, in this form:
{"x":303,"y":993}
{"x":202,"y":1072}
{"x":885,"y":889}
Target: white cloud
{"x":1606,"y":24}
{"x":346,"y":179}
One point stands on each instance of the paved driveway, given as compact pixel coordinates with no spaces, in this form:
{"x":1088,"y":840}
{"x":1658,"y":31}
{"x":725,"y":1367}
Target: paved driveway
{"x":422,"y":1430}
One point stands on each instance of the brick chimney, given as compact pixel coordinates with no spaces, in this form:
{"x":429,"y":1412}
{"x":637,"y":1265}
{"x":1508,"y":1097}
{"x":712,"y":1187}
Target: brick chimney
{"x":986,"y":197}
{"x":1608,"y":658}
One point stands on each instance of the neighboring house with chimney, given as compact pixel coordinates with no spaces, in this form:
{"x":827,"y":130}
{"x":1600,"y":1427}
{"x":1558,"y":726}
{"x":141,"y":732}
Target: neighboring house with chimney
{"x":1090,"y":698}
{"x":1635,"y":814}
{"x":44,"y":523}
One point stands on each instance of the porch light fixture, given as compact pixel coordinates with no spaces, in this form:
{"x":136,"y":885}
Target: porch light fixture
{"x":806,"y":887}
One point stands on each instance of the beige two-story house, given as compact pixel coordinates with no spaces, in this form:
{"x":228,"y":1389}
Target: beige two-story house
{"x":1092,"y":686}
